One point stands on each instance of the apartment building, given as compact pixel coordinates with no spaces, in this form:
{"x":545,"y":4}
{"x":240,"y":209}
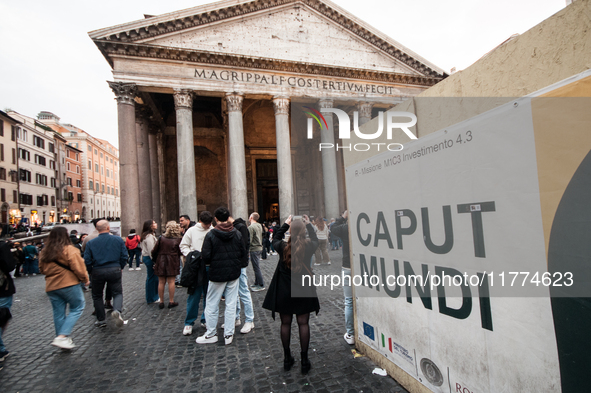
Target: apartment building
{"x":99,"y":162}
{"x":9,"y":208}
{"x":36,"y":170}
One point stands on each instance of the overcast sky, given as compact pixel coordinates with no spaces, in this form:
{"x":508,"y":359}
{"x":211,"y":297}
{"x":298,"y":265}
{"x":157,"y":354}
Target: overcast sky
{"x":48,"y":62}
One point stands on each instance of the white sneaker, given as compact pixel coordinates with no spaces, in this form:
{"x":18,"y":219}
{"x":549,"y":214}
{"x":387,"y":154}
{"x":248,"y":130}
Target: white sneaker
{"x":130,"y":269}
{"x":257,"y":288}
{"x":248,"y":326}
{"x":228,"y":339}
{"x":116,"y":315}
{"x":316,"y":264}
{"x":349,"y":339}
{"x":188,"y":330}
{"x":63,"y":343}
{"x":207,"y":340}
{"x":328,"y":263}
{"x":138,"y":268}
{"x":203,"y":325}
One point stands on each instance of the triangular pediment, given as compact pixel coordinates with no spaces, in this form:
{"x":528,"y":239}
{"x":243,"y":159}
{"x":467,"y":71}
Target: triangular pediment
{"x":298,"y":31}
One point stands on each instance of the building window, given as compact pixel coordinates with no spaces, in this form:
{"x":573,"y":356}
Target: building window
{"x":50,"y":147}
{"x":90,"y":185}
{"x":79,"y":197}
{"x":102,"y":170}
{"x":40,"y":160}
{"x":78,"y":183}
{"x":24,"y":154}
{"x":14,"y":196}
{"x":95,"y":151}
{"x":1,"y":152}
{"x":14,"y":176}
{"x":41,"y":179}
{"x":96,"y":168}
{"x":68,"y":166}
{"x":77,"y":168}
{"x":26,"y":199}
{"x":108,"y":190}
{"x":116,"y":192}
{"x":101,"y":155}
{"x":13,"y":155}
{"x":70,"y":196}
{"x":97,"y":187}
{"x":107,"y":173}
{"x":52,"y":200}
{"x":2,"y":174}
{"x":3,"y":194}
{"x":52,"y":182}
{"x":25,"y":175}
{"x":69,"y":181}
{"x":89,"y":147}
{"x":89,"y":164}
{"x":103,"y":189}
{"x":21,"y":134}
{"x":39,"y":142}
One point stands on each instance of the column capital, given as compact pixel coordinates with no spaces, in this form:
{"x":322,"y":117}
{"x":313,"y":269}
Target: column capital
{"x":234,"y":101}
{"x":125,"y":93}
{"x":364,"y":109}
{"x":183,"y":99}
{"x":281,"y":105}
{"x":325,"y":103}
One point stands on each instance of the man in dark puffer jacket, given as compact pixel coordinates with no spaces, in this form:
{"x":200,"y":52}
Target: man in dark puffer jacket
{"x":224,"y":252}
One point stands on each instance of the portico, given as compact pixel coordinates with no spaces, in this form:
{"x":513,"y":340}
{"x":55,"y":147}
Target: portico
{"x":214,"y":85}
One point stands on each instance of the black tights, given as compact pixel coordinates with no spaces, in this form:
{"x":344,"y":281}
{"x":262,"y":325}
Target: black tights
{"x":304,"y":328}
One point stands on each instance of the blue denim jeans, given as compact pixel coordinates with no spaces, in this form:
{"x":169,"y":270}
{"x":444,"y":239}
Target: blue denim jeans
{"x":71,"y":296}
{"x":212,"y":309}
{"x":255,"y":258}
{"x":348,"y":292}
{"x":29,"y":266}
{"x":244,"y":294}
{"x":5,"y":302}
{"x":135,"y":253}
{"x":151,"y":281}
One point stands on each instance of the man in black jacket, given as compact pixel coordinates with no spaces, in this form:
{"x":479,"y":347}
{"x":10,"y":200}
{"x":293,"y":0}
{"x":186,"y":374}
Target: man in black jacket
{"x":341,"y":229}
{"x":7,"y":290}
{"x":224,"y":252}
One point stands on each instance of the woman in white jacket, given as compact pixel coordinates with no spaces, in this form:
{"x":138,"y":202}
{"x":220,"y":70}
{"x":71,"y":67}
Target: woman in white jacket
{"x":147,"y":242}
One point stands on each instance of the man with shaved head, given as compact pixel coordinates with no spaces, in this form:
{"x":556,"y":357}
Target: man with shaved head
{"x":105,"y":256}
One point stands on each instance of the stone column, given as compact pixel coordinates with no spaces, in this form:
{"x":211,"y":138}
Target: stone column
{"x":238,"y":191}
{"x":128,"y":173}
{"x":154,"y":172}
{"x":364,"y":109}
{"x":183,"y":102}
{"x":329,"y":165}
{"x":144,"y":168}
{"x":284,"y":172}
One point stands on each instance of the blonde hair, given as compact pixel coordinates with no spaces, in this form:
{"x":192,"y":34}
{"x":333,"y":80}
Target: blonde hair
{"x":173,"y":229}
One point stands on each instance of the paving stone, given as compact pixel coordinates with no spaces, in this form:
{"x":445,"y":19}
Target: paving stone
{"x":150,"y":354}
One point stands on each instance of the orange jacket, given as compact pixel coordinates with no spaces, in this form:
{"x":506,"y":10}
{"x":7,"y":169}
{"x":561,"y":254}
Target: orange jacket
{"x":56,"y":277}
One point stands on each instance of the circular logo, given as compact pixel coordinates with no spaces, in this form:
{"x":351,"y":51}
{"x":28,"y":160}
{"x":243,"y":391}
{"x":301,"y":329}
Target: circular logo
{"x":431,"y":372}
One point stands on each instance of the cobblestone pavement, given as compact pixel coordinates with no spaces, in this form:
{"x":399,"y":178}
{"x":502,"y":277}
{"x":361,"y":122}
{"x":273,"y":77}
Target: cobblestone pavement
{"x":150,"y":354}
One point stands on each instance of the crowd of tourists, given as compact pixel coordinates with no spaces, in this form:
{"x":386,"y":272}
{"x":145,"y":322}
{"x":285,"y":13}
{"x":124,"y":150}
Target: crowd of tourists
{"x":209,"y":257}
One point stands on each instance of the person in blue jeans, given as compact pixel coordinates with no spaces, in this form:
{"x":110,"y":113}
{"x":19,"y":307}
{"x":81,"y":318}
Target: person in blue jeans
{"x":193,"y":241}
{"x":7,"y":290}
{"x":243,"y":291}
{"x":64,"y":270}
{"x":132,"y":243}
{"x":147,"y":242}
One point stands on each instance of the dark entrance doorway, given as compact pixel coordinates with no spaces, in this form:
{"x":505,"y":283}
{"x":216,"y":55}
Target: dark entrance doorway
{"x":267,"y":190}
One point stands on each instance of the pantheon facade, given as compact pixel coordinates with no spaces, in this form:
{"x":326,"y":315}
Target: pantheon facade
{"x":204,"y":97}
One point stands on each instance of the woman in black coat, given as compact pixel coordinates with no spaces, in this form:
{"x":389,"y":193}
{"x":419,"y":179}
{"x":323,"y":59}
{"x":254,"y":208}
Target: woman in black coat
{"x":293,"y":265}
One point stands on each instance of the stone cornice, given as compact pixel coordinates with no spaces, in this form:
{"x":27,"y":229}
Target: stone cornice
{"x":110,"y":48}
{"x":158,"y":27}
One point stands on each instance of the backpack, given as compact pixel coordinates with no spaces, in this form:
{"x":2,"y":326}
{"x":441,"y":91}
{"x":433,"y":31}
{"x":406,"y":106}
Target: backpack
{"x":193,"y":273}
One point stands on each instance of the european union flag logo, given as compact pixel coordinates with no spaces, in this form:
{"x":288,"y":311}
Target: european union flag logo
{"x":368,"y":330}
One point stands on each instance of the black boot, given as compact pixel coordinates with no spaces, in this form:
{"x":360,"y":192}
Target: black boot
{"x":288,"y":361}
{"x":306,"y":366}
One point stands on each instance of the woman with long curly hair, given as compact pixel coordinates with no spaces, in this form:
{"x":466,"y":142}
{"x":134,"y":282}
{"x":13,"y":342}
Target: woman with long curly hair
{"x":286,"y":294}
{"x":64,"y":270}
{"x":166,"y":256}
{"x":147,"y":243}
